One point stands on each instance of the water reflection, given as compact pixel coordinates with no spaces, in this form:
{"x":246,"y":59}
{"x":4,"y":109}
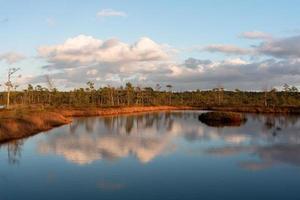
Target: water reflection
{"x":269,"y":155}
{"x":14,"y":150}
{"x":110,"y":138}
{"x":264,"y":140}
{"x":276,"y":142}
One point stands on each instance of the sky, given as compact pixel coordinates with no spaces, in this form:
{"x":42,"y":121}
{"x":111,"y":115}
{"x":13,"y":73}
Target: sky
{"x":195,"y":44}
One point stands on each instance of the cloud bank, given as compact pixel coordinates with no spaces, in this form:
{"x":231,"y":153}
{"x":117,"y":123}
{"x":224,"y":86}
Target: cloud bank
{"x":86,"y":50}
{"x":272,"y":62}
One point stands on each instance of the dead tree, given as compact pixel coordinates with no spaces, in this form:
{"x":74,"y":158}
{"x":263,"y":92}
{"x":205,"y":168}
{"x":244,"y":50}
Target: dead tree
{"x":9,"y":85}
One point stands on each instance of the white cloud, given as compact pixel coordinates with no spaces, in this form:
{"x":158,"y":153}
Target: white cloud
{"x":254,"y":35}
{"x":92,"y":72}
{"x":111,"y":13}
{"x":235,"y":61}
{"x":11,"y":57}
{"x":227,"y":49}
{"x":104,"y":61}
{"x":86,"y":51}
{"x":114,"y":62}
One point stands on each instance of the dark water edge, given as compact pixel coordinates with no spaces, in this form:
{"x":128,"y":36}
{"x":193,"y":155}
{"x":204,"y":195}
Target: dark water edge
{"x":166,"y":155}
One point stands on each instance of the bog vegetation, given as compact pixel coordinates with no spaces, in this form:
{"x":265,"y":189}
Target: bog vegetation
{"x":131,"y":95}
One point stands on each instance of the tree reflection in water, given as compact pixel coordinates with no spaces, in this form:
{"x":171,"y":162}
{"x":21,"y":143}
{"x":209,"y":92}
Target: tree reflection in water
{"x":14,"y":151}
{"x":272,"y":140}
{"x":144,"y":136}
{"x":147,"y":136}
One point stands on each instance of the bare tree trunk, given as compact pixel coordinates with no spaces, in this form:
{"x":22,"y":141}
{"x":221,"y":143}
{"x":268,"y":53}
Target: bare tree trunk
{"x":8,"y":98}
{"x":266,"y":103}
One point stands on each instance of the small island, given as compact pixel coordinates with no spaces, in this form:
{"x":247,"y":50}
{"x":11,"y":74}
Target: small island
{"x":222,"y":118}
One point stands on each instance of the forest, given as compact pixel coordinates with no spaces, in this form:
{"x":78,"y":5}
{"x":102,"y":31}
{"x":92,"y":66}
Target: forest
{"x":130,"y":95}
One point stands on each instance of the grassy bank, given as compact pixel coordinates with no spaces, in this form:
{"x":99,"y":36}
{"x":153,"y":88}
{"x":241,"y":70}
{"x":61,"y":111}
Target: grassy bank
{"x":22,"y":123}
{"x":19,"y":125}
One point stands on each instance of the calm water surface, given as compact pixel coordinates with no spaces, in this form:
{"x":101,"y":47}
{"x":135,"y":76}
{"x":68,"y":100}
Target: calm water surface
{"x":168,"y":155}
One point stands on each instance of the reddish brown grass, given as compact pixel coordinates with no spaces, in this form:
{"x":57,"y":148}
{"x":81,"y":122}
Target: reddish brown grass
{"x":29,"y":124}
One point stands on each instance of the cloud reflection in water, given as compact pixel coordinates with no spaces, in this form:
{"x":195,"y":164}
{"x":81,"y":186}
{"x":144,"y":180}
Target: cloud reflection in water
{"x":273,"y":140}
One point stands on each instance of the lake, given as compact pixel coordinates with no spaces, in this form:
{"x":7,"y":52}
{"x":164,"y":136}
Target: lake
{"x":162,"y":155}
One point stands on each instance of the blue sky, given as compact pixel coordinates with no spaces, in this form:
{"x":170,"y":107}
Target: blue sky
{"x":183,"y":25}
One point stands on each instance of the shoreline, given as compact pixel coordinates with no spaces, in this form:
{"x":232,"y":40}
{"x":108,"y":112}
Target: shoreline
{"x":22,"y":123}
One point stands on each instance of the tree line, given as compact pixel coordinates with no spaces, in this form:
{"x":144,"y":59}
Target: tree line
{"x":130,"y":95}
